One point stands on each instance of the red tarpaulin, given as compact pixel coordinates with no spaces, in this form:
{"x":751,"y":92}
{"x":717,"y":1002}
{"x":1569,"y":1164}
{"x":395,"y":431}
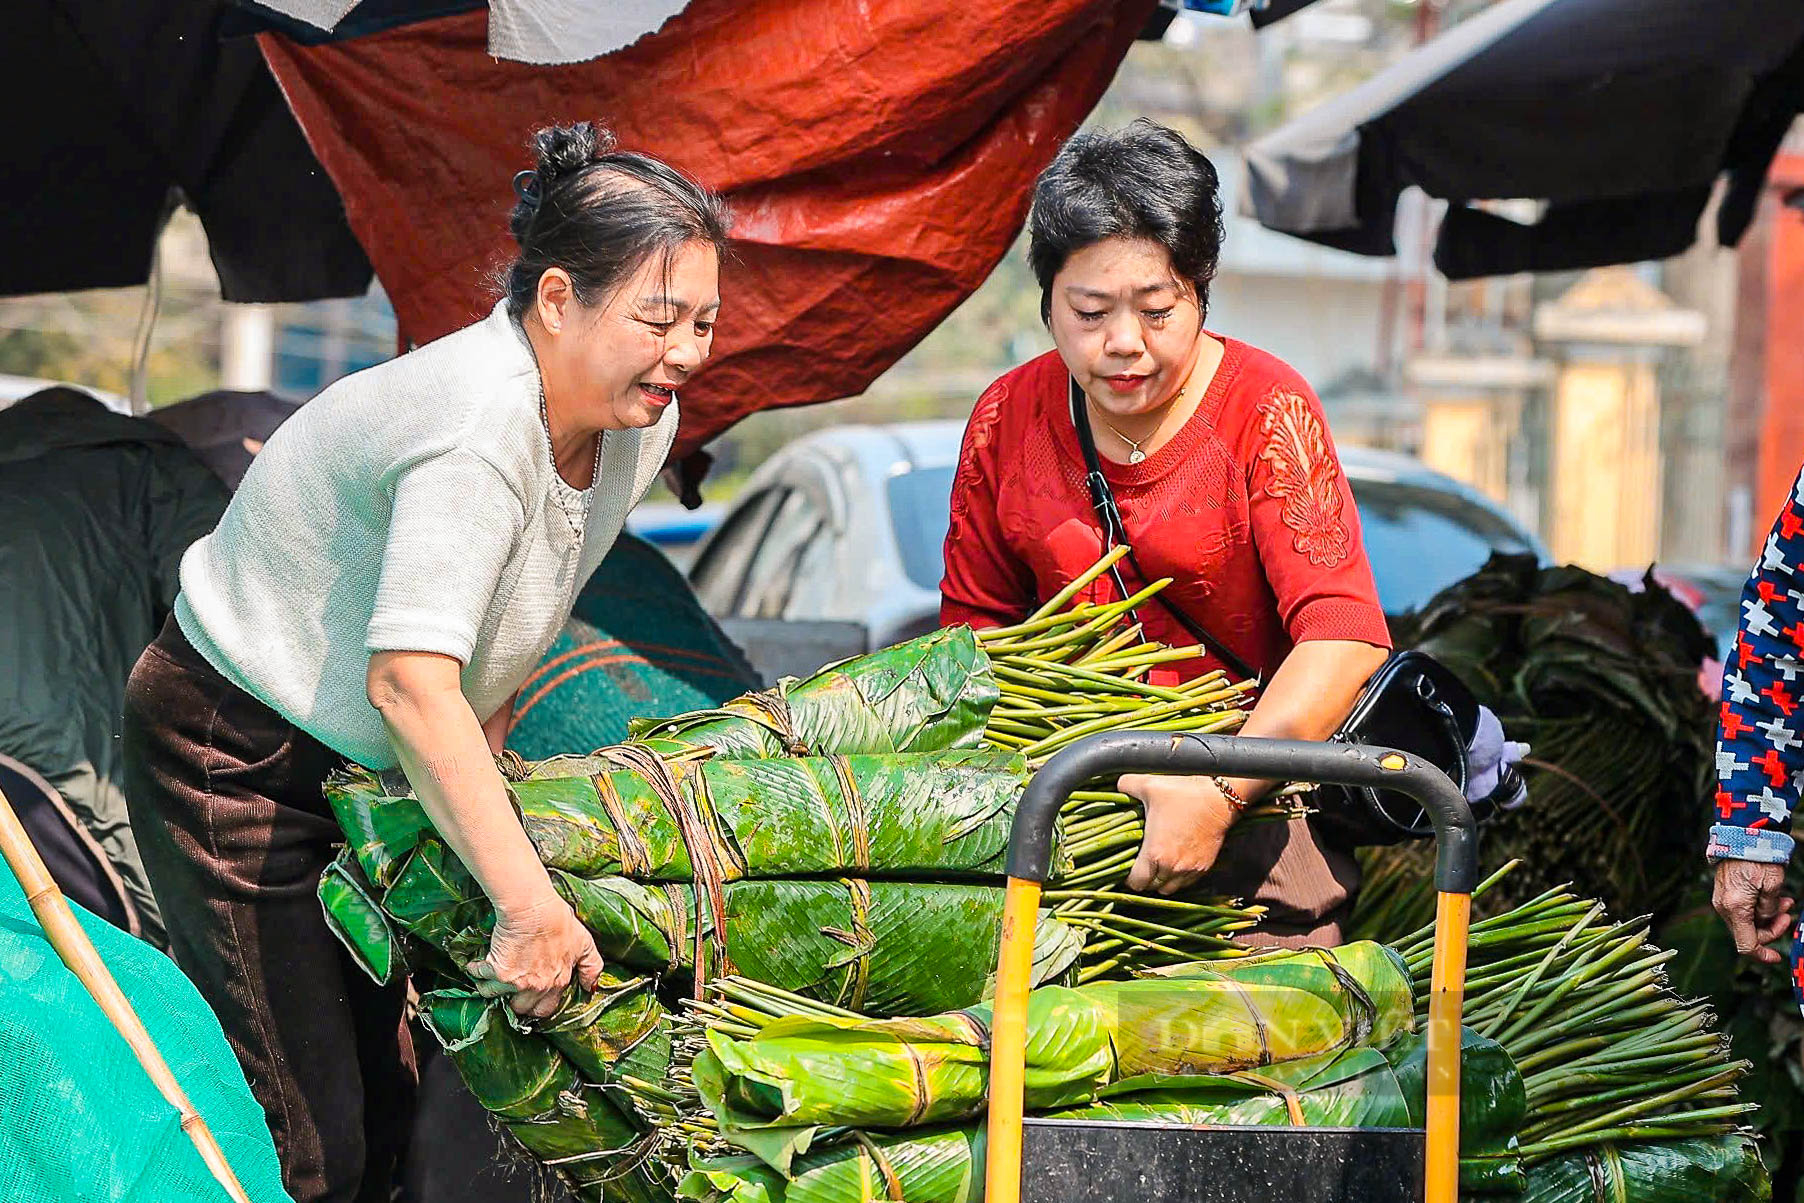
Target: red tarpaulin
{"x":878,"y":155}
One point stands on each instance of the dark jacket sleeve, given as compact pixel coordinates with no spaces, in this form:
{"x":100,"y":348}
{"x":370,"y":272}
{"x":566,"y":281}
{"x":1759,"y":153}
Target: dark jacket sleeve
{"x":183,"y":501}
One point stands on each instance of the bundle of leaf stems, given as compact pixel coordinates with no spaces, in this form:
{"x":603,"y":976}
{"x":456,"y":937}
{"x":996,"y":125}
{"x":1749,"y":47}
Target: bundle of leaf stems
{"x":1607,"y":1051}
{"x":1066,"y":672}
{"x":1396,"y":891}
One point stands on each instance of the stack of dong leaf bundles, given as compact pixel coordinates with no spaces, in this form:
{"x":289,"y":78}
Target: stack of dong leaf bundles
{"x":798,"y":898}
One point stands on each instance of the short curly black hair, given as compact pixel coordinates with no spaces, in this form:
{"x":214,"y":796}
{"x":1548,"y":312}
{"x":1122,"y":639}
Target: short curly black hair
{"x":1144,"y":180}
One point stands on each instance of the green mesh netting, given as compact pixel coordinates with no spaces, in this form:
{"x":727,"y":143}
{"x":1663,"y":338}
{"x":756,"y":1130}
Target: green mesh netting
{"x":638,"y":645}
{"x":79,"y":1118}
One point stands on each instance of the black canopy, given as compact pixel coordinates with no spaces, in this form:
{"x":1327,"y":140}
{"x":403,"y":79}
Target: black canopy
{"x":1620,"y":115}
{"x":112,"y":107}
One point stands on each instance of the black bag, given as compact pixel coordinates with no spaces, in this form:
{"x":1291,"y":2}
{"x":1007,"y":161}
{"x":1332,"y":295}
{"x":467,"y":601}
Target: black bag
{"x":1412,"y":703}
{"x":77,"y":863}
{"x":1415,"y":704}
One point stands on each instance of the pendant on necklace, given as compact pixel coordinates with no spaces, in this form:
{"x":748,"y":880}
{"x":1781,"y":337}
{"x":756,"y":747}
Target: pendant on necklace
{"x":1136,"y":456}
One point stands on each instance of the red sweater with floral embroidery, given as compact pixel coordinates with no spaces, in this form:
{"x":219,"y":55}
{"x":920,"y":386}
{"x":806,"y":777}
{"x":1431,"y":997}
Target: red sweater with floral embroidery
{"x":1246,"y":509}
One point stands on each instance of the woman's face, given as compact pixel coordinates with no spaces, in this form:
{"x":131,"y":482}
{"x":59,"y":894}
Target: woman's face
{"x":620,"y":363}
{"x":1127,"y":328}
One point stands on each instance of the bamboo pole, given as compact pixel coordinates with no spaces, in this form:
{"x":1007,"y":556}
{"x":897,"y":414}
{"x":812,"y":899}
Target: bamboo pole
{"x":71,"y":942}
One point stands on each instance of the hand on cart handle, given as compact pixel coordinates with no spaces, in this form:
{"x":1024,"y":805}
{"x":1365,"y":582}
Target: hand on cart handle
{"x":1187,"y":818}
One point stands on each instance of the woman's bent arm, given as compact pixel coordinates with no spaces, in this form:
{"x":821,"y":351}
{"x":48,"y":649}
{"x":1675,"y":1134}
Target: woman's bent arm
{"x":1187,"y":818}
{"x":444,"y":751}
{"x":1310,"y":695}
{"x":496,"y":726}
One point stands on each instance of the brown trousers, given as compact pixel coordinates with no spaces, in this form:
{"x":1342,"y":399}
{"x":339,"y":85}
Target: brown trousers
{"x":1302,"y":872}
{"x":225,"y":798}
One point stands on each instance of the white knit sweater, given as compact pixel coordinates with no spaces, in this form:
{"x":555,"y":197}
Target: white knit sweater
{"x":409,"y":507}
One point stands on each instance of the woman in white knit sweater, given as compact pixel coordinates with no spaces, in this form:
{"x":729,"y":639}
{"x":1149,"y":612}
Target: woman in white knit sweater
{"x":397,"y":560}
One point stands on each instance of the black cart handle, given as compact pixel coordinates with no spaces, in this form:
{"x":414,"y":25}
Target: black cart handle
{"x":1115,"y":753}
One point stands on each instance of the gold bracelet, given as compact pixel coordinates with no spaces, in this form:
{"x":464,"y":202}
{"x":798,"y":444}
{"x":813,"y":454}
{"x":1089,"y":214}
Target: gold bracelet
{"x":1235,"y":801}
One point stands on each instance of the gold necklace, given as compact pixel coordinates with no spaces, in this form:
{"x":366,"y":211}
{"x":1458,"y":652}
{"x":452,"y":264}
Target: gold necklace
{"x":1135,"y":455}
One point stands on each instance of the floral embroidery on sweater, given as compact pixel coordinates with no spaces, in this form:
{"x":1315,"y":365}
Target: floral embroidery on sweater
{"x":1305,"y":478}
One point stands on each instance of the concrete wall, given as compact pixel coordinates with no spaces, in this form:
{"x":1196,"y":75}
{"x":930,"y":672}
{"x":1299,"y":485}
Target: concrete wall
{"x":1322,"y":326}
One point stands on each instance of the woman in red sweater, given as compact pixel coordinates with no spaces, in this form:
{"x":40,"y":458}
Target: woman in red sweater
{"x":1220,"y":462}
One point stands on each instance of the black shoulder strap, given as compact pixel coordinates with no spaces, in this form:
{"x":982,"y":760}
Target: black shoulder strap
{"x":1114,"y":534}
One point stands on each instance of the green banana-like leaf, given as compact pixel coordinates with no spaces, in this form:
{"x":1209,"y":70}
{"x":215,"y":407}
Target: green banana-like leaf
{"x":940,"y":815}
{"x":357,"y":920}
{"x":897,"y":1073}
{"x":436,"y":900}
{"x":808,"y":1072}
{"x":1219,"y":1017}
{"x":379,"y":818}
{"x":879,"y":947}
{"x":618,"y":1027}
{"x":943,"y":815}
{"x":945,"y":1164}
{"x":1493,"y":1105}
{"x":633,"y":925}
{"x":1349,"y":1088}
{"x":1724,"y":1169}
{"x":924,"y":695}
{"x":511,"y":1073}
{"x":541,"y":1099}
{"x":927,"y":694}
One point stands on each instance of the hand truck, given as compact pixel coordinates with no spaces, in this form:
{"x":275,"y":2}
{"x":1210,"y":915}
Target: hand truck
{"x":1080,"y":1161}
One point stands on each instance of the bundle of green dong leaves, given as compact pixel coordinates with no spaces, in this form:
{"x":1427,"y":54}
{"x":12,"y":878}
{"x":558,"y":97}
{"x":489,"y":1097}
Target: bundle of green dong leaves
{"x":841,"y":838}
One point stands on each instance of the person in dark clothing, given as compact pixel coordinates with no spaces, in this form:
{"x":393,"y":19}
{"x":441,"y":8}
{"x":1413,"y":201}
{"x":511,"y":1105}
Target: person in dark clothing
{"x":96,"y":509}
{"x":77,"y":863}
{"x":226,"y":427}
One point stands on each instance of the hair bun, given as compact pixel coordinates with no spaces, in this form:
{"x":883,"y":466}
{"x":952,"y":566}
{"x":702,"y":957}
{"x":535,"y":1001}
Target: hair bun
{"x":561,"y":150}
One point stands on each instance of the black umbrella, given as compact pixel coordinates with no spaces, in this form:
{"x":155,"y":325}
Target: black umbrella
{"x":114,"y":109}
{"x":1619,"y":115}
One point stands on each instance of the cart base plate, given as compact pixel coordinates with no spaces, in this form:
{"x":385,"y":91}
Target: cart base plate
{"x":1079,"y":1161}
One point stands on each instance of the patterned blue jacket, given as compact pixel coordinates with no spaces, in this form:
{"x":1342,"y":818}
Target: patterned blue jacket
{"x":1760,"y":735}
